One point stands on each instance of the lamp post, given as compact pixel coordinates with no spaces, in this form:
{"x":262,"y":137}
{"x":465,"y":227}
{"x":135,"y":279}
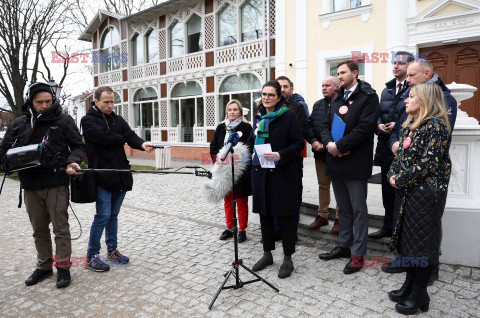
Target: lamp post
{"x":57,"y":88}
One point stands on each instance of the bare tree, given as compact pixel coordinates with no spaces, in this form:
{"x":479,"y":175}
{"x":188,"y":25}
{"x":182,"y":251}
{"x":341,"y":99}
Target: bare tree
{"x":27,"y":27}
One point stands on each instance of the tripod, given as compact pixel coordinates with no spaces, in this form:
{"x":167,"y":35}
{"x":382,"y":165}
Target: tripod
{"x":238,"y":262}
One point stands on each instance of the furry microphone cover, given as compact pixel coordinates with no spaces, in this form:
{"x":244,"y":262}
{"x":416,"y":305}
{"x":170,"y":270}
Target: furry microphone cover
{"x":215,"y":189}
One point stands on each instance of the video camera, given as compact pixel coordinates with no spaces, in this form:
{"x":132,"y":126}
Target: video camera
{"x":24,"y":157}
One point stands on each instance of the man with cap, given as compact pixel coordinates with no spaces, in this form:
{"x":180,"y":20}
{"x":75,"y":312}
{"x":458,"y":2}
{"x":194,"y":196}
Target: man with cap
{"x":46,"y":186}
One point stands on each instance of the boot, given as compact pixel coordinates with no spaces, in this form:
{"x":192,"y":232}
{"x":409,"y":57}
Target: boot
{"x":418,"y":298}
{"x":63,"y":277}
{"x":402,"y":293}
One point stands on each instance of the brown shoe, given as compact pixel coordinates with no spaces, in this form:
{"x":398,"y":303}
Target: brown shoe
{"x":336,"y":227}
{"x":319,"y":221}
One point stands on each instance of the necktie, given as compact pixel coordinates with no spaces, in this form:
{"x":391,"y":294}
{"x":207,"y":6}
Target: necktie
{"x":399,"y":87}
{"x":345,"y":97}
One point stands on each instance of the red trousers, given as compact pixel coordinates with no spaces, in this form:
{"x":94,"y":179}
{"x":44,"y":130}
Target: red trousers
{"x":242,"y":211}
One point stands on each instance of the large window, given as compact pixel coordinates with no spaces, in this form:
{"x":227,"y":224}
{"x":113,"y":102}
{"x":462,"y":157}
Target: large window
{"x":333,"y":68}
{"x":187,"y":109}
{"x":227,"y":25}
{"x":151,"y":39}
{"x":246,"y":88}
{"x":339,"y":5}
{"x":252,"y":20}
{"x":194,"y":34}
{"x":110,"y":50}
{"x":145,"y":111}
{"x":117,"y":104}
{"x":137,"y":50}
{"x":176,"y":40}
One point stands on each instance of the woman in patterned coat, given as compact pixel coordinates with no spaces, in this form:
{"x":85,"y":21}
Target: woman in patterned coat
{"x":420,"y":173}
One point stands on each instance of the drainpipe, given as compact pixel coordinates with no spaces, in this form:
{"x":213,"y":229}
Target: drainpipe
{"x":267,"y":33}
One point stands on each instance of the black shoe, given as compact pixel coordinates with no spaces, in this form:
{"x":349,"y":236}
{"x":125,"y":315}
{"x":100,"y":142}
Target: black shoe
{"x":353,"y":267}
{"x":261,"y":264}
{"x":37,"y":276}
{"x":226,"y":235}
{"x":402,"y":293}
{"x":337,"y":252}
{"x":242,"y":236}
{"x":63,"y":277}
{"x":417,"y":299}
{"x":380,"y":233}
{"x":393,"y":269}
{"x":285,"y":270}
{"x":433,"y":276}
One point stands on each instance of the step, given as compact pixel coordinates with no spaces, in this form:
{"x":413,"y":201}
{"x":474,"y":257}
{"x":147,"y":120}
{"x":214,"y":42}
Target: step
{"x":312,"y":209}
{"x":325,"y":234}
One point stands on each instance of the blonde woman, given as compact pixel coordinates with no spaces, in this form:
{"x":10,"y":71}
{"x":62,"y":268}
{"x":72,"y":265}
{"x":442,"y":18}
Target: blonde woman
{"x":234,"y":122}
{"x":420,"y":173}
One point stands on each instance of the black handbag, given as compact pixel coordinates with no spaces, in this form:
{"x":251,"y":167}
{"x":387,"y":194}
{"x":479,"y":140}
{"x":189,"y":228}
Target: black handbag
{"x":83,"y":188}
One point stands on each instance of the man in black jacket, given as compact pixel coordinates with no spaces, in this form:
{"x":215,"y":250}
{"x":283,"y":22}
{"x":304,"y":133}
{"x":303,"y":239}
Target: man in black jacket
{"x":319,"y":112}
{"x":391,"y":96}
{"x":349,"y":161}
{"x":105,"y":136}
{"x":46,"y":186}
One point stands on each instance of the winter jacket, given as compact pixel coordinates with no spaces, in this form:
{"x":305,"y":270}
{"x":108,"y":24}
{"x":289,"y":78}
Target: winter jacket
{"x":388,"y":106}
{"x":243,"y":188}
{"x":315,"y":121}
{"x":302,"y":117}
{"x":63,"y":145}
{"x":275,"y":190}
{"x":299,"y":99}
{"x":402,"y":115}
{"x":105,"y":137}
{"x":361,"y":124}
{"x":422,"y":173}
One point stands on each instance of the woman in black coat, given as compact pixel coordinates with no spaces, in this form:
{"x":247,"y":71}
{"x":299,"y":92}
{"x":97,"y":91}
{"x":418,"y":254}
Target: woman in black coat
{"x":420,"y":173}
{"x":275,"y":190}
{"x":234,"y":122}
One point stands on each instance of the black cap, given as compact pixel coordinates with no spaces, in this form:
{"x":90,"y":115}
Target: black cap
{"x":39,"y":87}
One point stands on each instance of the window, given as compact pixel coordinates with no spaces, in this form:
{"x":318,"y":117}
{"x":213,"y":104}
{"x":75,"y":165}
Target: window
{"x":137,"y":50}
{"x":187,"y":109}
{"x":361,"y":68}
{"x":151,"y":39}
{"x":110,"y":50}
{"x":227,"y":25}
{"x":339,"y":5}
{"x":176,"y":40}
{"x":117,"y":104}
{"x":146,"y":111}
{"x":252,"y":20}
{"x":246,"y":88}
{"x":194,"y":34}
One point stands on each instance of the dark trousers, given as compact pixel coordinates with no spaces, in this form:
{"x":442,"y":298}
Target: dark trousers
{"x":388,"y":197}
{"x":351,"y":196}
{"x":288,"y":230}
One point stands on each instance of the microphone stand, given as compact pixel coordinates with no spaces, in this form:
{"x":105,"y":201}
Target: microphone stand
{"x":237,"y":263}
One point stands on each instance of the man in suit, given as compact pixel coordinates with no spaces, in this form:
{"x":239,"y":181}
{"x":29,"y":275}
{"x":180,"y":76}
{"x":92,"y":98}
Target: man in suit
{"x":349,"y":161}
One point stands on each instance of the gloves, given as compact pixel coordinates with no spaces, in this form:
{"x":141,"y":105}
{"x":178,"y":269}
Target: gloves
{"x":233,"y":139}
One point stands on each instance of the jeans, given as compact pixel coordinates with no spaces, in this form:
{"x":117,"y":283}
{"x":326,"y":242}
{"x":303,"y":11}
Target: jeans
{"x":108,"y":206}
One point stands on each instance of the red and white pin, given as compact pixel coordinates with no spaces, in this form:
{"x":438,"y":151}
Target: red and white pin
{"x":350,"y":102}
{"x":343,"y":110}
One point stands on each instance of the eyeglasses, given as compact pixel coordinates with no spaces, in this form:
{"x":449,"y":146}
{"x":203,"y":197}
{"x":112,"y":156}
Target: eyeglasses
{"x":268,"y":96}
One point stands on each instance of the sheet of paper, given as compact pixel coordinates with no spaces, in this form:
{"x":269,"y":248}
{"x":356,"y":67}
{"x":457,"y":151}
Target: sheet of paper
{"x":260,"y":150}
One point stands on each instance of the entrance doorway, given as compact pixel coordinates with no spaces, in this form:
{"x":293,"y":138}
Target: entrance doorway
{"x":459,"y":63}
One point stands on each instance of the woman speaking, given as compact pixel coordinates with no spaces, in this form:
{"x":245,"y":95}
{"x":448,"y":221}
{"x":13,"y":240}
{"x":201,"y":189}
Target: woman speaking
{"x":275,"y":190}
{"x":420,"y":173}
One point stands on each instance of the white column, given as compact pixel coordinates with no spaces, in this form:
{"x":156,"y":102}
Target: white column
{"x":397,"y":34}
{"x":412,"y":8}
{"x":300,"y":83}
{"x":461,"y":218}
{"x":280,"y":34}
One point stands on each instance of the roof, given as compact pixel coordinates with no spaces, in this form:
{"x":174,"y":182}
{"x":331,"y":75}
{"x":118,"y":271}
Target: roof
{"x":152,"y":12}
{"x":96,"y":22}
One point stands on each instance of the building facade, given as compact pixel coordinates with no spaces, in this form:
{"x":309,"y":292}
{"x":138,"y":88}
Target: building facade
{"x":175,"y":66}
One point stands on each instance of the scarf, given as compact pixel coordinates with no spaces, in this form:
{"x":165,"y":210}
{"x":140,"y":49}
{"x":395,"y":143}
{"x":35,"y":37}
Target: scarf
{"x":264,"y":125}
{"x":231,"y":126}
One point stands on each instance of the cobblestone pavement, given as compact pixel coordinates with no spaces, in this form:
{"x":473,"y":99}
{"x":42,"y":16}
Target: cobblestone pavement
{"x":177,"y":264}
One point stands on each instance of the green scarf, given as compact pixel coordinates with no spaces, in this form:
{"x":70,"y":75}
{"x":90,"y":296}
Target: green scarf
{"x":264,"y":125}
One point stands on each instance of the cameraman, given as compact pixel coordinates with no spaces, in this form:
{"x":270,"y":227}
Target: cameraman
{"x":46,"y":189}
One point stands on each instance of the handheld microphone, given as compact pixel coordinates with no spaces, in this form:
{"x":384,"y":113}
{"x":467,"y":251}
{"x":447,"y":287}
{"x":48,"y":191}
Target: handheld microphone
{"x":232,"y":141}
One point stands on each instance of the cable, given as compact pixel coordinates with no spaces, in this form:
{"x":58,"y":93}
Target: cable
{"x":68,"y":204}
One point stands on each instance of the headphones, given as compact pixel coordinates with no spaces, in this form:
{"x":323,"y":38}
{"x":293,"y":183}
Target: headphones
{"x":39,"y":87}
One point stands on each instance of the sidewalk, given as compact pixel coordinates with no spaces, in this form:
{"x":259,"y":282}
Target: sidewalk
{"x":177,"y":264}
